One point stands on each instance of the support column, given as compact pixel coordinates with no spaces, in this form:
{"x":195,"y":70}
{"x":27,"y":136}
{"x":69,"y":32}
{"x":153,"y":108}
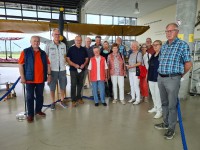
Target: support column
{"x":186,"y":15}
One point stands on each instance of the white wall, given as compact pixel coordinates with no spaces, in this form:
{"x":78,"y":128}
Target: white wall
{"x":158,"y":21}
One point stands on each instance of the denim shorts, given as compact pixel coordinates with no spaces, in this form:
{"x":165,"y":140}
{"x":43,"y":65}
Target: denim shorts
{"x":58,"y":76}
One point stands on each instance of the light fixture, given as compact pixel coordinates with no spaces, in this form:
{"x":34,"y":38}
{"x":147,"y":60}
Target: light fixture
{"x":136,"y":10}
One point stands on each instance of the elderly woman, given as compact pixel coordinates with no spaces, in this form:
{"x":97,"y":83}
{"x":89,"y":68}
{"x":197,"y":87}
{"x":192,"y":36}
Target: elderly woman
{"x":117,"y":72}
{"x":152,"y":78}
{"x":135,"y":60}
{"x":98,"y":75}
{"x":143,"y":81}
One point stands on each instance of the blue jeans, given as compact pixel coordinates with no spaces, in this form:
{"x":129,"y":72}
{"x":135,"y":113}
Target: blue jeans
{"x":98,"y":85}
{"x":38,"y":89}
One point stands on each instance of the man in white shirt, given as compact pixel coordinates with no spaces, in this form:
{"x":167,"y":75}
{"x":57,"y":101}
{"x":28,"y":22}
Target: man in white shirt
{"x":56,"y":51}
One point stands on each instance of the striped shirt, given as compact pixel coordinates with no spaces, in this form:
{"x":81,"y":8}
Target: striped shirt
{"x":173,"y":57}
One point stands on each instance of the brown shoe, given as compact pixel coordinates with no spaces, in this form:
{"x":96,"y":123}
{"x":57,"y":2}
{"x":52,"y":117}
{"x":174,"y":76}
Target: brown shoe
{"x":30,"y":119}
{"x":74,"y":103}
{"x":80,"y":101}
{"x":41,"y":114}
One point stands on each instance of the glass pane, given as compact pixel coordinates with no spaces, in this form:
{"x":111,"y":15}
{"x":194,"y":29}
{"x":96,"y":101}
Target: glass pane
{"x":14,"y":18}
{"x":55,"y":16}
{"x":127,"y":21}
{"x":122,"y":21}
{"x":30,"y":19}
{"x":70,"y":17}
{"x":93,"y":19}
{"x":13,"y":12}
{"x":29,"y":7}
{"x":106,"y":19}
{"x":44,"y":15}
{"x":55,"y":9}
{"x":115,"y":21}
{"x":2,"y":11}
{"x":13,"y":5}
{"x":1,"y":4}
{"x":44,"y":8}
{"x":133,"y":21}
{"x":29,"y":13}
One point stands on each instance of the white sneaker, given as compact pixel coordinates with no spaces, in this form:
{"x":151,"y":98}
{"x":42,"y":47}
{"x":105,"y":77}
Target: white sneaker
{"x":128,"y":93}
{"x":114,"y":101}
{"x":123,"y":102}
{"x":158,"y":115}
{"x":136,"y":103}
{"x":132,"y":100}
{"x":152,"y":110}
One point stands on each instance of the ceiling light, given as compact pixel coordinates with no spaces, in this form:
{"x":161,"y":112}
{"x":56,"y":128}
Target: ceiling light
{"x":136,"y":10}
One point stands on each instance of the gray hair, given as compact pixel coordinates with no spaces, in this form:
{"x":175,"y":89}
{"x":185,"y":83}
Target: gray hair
{"x":136,"y":43}
{"x":35,"y":36}
{"x":172,"y":24}
{"x":55,"y":29}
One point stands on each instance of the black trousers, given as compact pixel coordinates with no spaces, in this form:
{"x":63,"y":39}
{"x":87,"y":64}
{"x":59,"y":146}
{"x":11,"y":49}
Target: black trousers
{"x":76,"y":84}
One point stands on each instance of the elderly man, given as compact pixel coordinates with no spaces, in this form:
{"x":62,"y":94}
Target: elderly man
{"x":122,"y":48}
{"x":98,"y":43}
{"x":150,"y":49}
{"x":77,"y":58}
{"x":175,"y":61}
{"x":34,"y":67}
{"x":90,"y":53}
{"x":56,"y":51}
{"x":89,"y":49}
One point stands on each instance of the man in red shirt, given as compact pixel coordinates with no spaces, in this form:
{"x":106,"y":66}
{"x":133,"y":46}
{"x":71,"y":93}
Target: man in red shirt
{"x":34,"y":66}
{"x":150,"y":49}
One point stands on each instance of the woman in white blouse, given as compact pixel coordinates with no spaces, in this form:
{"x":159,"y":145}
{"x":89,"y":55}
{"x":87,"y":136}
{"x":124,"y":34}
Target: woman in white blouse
{"x":143,"y":81}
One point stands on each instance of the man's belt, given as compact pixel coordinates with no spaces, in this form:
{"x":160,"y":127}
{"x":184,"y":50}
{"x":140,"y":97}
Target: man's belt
{"x":169,"y":75}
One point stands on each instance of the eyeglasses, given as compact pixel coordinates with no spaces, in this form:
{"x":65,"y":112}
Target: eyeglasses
{"x":170,"y":31}
{"x":155,"y":45}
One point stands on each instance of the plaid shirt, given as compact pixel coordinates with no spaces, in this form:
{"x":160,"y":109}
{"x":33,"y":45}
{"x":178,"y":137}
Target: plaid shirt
{"x":173,"y":57}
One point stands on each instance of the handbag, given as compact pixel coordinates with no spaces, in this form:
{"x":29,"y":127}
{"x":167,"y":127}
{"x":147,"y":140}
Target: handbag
{"x":141,"y":71}
{"x":137,"y":71}
{"x":137,"y":68}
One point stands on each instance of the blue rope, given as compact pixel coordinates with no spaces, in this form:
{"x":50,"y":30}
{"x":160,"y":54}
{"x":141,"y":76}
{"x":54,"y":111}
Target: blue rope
{"x":8,"y":92}
{"x":181,"y":126}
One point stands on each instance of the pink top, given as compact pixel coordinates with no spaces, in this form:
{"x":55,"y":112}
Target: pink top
{"x":116,"y":64}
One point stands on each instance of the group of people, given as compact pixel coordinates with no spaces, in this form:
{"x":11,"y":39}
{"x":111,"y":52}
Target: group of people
{"x":106,"y":68}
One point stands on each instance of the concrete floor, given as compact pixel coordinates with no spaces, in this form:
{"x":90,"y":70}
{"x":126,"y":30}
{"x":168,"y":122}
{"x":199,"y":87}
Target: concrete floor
{"x":116,"y":127}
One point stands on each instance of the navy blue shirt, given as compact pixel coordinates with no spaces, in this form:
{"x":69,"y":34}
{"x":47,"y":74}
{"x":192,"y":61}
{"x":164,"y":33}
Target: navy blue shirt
{"x":105,"y":55}
{"x":77,"y":56}
{"x":153,"y":68}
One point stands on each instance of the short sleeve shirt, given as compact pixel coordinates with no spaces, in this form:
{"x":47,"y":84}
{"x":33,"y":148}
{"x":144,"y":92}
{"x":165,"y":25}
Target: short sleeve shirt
{"x":57,"y":55}
{"x":77,"y":56}
{"x":132,"y":60}
{"x":173,"y":57}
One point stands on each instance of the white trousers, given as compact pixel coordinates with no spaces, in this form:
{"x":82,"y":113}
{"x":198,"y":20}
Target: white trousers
{"x":135,"y":86}
{"x":118,"y":80}
{"x":153,"y":86}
